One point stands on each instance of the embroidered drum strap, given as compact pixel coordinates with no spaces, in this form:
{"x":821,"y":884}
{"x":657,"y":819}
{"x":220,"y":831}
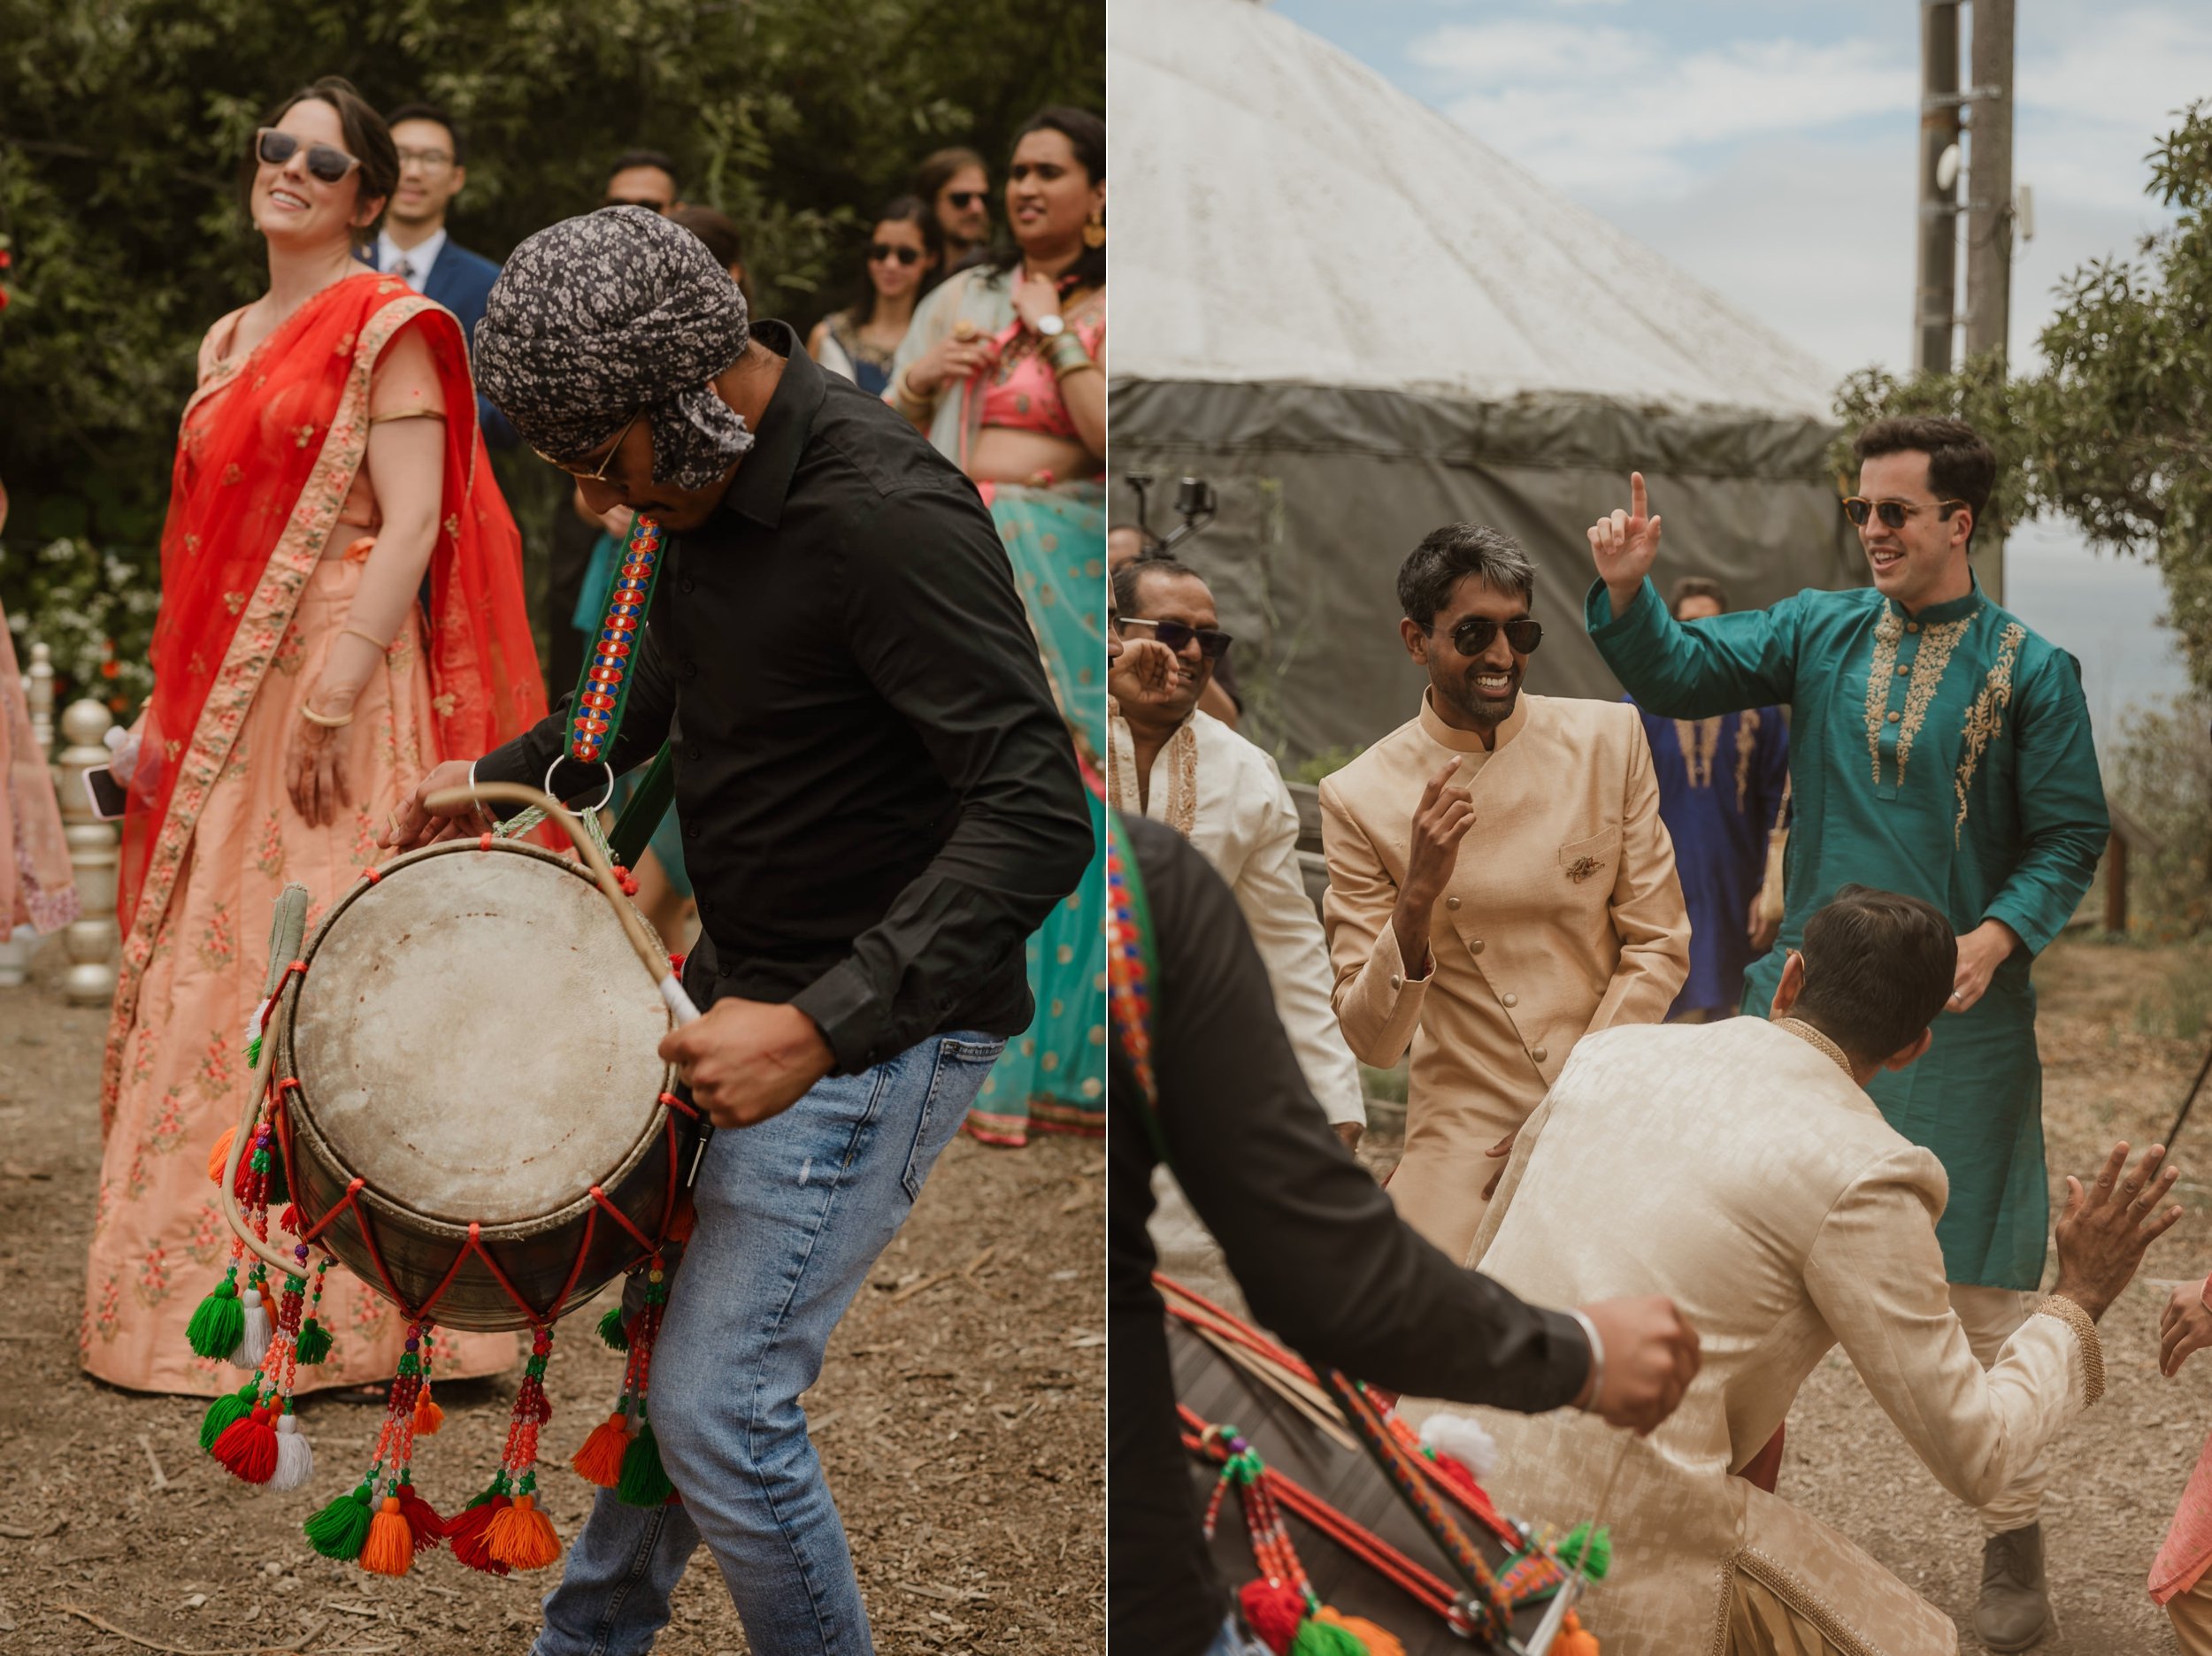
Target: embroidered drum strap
{"x":602,"y":689}
{"x":1132,"y":976}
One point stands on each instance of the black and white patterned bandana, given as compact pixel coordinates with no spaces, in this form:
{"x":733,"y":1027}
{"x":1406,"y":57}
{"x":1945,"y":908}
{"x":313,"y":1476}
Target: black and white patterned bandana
{"x":599,"y":318}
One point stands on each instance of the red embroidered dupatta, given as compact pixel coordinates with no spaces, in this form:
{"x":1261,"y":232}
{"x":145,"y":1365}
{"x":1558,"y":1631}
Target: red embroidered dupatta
{"x":269,"y":446}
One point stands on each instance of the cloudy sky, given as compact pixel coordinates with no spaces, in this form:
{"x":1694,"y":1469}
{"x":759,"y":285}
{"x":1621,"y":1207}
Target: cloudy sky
{"x":1768,"y":148}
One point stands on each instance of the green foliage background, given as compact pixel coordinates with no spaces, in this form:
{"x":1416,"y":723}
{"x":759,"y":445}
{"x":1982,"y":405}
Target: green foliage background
{"x":122,"y":122}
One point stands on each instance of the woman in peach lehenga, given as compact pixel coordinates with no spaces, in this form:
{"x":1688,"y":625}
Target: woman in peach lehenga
{"x":328,"y":462}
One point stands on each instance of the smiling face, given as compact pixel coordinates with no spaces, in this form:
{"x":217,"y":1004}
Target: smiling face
{"x":429,"y":178}
{"x":891,"y":278}
{"x":1185,"y":598}
{"x":295,"y":210}
{"x":1478,"y":692}
{"x":1049,"y":197}
{"x":968,"y":220}
{"x":1924,"y":562}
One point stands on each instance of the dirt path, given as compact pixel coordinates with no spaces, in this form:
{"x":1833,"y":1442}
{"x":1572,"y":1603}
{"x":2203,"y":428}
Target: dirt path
{"x":960,"y":1417}
{"x":2115,"y":1477}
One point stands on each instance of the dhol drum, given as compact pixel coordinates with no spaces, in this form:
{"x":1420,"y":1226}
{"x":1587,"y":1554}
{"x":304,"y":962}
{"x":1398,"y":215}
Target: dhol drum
{"x":470,"y":1107}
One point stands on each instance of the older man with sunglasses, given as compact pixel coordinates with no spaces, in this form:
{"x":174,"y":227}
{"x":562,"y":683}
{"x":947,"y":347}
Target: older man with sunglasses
{"x":1500,"y":883}
{"x":1940,"y":749}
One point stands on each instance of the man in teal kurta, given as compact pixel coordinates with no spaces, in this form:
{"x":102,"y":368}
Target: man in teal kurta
{"x":1941,"y":749}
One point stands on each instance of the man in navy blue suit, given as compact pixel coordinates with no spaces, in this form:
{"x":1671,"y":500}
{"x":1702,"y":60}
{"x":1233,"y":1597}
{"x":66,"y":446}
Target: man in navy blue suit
{"x":413,"y":244}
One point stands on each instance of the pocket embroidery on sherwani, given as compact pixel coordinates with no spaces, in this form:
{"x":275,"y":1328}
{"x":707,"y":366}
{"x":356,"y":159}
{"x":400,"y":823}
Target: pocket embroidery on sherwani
{"x":1581,"y":858}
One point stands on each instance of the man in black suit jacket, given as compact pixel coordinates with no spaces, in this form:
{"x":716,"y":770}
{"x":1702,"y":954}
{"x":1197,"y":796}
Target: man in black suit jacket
{"x":413,"y":243}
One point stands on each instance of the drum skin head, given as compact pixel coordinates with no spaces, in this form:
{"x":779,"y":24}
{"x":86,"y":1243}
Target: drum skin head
{"x":475,"y":1038}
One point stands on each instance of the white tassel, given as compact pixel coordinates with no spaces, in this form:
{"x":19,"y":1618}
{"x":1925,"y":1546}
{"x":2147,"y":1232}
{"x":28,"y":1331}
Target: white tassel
{"x":1462,"y":1438}
{"x":253,"y":1021}
{"x":254,"y":1344}
{"x":295,"y":1462}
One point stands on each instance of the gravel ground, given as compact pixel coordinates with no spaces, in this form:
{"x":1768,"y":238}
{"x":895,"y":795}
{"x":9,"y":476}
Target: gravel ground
{"x":960,"y":1416}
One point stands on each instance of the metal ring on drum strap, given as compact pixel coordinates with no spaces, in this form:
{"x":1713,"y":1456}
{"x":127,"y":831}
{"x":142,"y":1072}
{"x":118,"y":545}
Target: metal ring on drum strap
{"x":598,"y":804}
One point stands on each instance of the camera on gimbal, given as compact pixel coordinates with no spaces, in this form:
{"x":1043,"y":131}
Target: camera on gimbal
{"x":1195,"y":504}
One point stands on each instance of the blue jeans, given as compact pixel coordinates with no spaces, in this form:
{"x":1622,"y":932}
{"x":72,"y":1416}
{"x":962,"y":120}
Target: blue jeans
{"x":792,"y":1214}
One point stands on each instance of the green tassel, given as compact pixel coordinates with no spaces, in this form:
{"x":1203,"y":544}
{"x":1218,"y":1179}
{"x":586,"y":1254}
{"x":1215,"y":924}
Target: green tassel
{"x":253,"y":1054}
{"x":314,"y":1341}
{"x":1325,"y":1639}
{"x":611,"y":1329}
{"x":226,"y":1409}
{"x":219,"y":1325}
{"x":280,"y":1188}
{"x":1601,"y":1550}
{"x":341,"y":1528}
{"x":644,"y":1480}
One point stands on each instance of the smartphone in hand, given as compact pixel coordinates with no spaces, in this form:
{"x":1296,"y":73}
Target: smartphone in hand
{"x":106,"y":795}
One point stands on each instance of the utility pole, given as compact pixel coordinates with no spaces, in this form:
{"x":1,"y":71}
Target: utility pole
{"x":1989,"y":224}
{"x":1935,"y":284}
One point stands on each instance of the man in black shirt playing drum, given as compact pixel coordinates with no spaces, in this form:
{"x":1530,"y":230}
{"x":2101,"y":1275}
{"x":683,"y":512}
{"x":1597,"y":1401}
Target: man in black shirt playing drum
{"x":880,"y":803}
{"x":1316,"y":1245}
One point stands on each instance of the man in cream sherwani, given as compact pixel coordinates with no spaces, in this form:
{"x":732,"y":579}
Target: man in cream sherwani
{"x":1741,"y":1167}
{"x":1170,"y":760}
{"x":1500,"y":883}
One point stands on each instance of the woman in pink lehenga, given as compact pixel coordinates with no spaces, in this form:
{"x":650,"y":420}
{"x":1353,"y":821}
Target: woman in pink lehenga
{"x":36,"y":886}
{"x":327,"y":463}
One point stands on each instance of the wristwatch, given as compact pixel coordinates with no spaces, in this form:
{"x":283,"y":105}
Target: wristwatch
{"x":1052,"y":326}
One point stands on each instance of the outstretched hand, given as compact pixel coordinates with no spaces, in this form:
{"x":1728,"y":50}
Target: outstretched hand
{"x":2183,"y":1327}
{"x":2105,"y":1229}
{"x":1625,"y":546}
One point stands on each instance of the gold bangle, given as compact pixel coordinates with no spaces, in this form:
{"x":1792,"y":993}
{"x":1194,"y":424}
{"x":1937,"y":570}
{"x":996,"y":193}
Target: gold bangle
{"x":1059,"y":372}
{"x":383,"y":648}
{"x":325,"y":719}
{"x":904,"y":394}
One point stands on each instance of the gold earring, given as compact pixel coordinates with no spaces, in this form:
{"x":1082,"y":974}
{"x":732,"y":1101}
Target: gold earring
{"x":1095,"y":233}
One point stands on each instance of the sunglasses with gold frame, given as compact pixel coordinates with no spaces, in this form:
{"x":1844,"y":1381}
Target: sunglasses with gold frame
{"x":1892,"y":513}
{"x":598,"y":473}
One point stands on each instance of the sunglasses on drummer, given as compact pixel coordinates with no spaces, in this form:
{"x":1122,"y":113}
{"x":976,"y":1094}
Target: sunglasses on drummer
{"x":327,"y":163}
{"x":1212,"y":643}
{"x":1472,"y":636}
{"x":598,"y":473}
{"x":1892,"y":513}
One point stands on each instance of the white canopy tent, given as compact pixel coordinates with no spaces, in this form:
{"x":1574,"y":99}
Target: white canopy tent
{"x":1359,"y":323}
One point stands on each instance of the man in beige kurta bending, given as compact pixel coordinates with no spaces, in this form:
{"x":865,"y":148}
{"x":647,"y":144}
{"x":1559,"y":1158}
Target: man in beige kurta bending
{"x":1740,"y":1167}
{"x":1500,"y":883}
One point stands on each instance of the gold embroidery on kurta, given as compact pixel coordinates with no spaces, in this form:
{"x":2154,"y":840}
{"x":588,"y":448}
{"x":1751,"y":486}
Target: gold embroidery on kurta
{"x":1936,"y":644}
{"x":1984,"y":720}
{"x":1698,"y":738}
{"x":1887,"y":630}
{"x":1746,"y":743}
{"x":1182,"y":779}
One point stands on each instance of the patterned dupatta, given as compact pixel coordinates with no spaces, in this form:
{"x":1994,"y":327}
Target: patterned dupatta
{"x":269,"y":447}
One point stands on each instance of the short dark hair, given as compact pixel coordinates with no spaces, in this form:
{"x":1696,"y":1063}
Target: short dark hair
{"x":1130,"y":576}
{"x":367,"y":140}
{"x":1446,"y":556}
{"x":940,"y":167}
{"x":1878,"y":969}
{"x":1697,"y":587}
{"x":1961,"y":466}
{"x":630,"y":158}
{"x":431,"y":112}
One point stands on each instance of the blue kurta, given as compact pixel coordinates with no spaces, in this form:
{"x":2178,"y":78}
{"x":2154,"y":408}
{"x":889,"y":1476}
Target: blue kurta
{"x":1720,"y":791}
{"x":1945,"y":755}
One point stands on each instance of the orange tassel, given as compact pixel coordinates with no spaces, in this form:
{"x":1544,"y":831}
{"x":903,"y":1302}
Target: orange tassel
{"x":1379,"y":1641}
{"x":390,"y":1548}
{"x":221,"y":1154}
{"x":600,"y":1460}
{"x":1575,"y":1639}
{"x":522,"y":1538}
{"x":428,"y":1415}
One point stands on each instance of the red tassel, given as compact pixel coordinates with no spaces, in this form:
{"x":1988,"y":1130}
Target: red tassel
{"x":248,"y":1448}
{"x":422,"y":1518}
{"x":470,"y":1534}
{"x":1273,"y":1612}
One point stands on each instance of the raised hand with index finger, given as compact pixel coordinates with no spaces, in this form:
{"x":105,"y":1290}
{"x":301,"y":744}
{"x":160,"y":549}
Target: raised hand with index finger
{"x":1625,"y":546}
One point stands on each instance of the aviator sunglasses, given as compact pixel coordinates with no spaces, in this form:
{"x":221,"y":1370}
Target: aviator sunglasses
{"x":325,"y":163}
{"x":878,"y":251}
{"x":1212,"y":644}
{"x":1892,"y":513}
{"x":1472,"y":636}
{"x":965,"y":199}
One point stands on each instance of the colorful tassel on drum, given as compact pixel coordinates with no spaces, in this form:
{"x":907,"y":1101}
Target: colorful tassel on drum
{"x":225,"y":1409}
{"x":389,"y":1547}
{"x":612,"y":1331}
{"x":248,"y":1447}
{"x":314,"y":1341}
{"x":220,"y":1322}
{"x":340,"y":1529}
{"x":470,"y":1532}
{"x":503,"y":1528}
{"x":644,"y":1481}
{"x":1376,"y":1641}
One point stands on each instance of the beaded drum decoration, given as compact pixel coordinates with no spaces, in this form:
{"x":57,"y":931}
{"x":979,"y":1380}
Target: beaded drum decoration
{"x":604,"y":685}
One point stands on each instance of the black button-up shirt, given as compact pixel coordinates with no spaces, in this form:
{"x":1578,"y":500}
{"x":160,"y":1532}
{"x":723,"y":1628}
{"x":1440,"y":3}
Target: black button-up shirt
{"x":879,"y":800}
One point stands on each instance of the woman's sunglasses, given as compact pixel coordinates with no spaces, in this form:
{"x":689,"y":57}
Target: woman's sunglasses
{"x":878,"y":251}
{"x":1212,"y":644}
{"x":325,"y":163}
{"x":1472,"y":636}
{"x":1892,"y":513}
